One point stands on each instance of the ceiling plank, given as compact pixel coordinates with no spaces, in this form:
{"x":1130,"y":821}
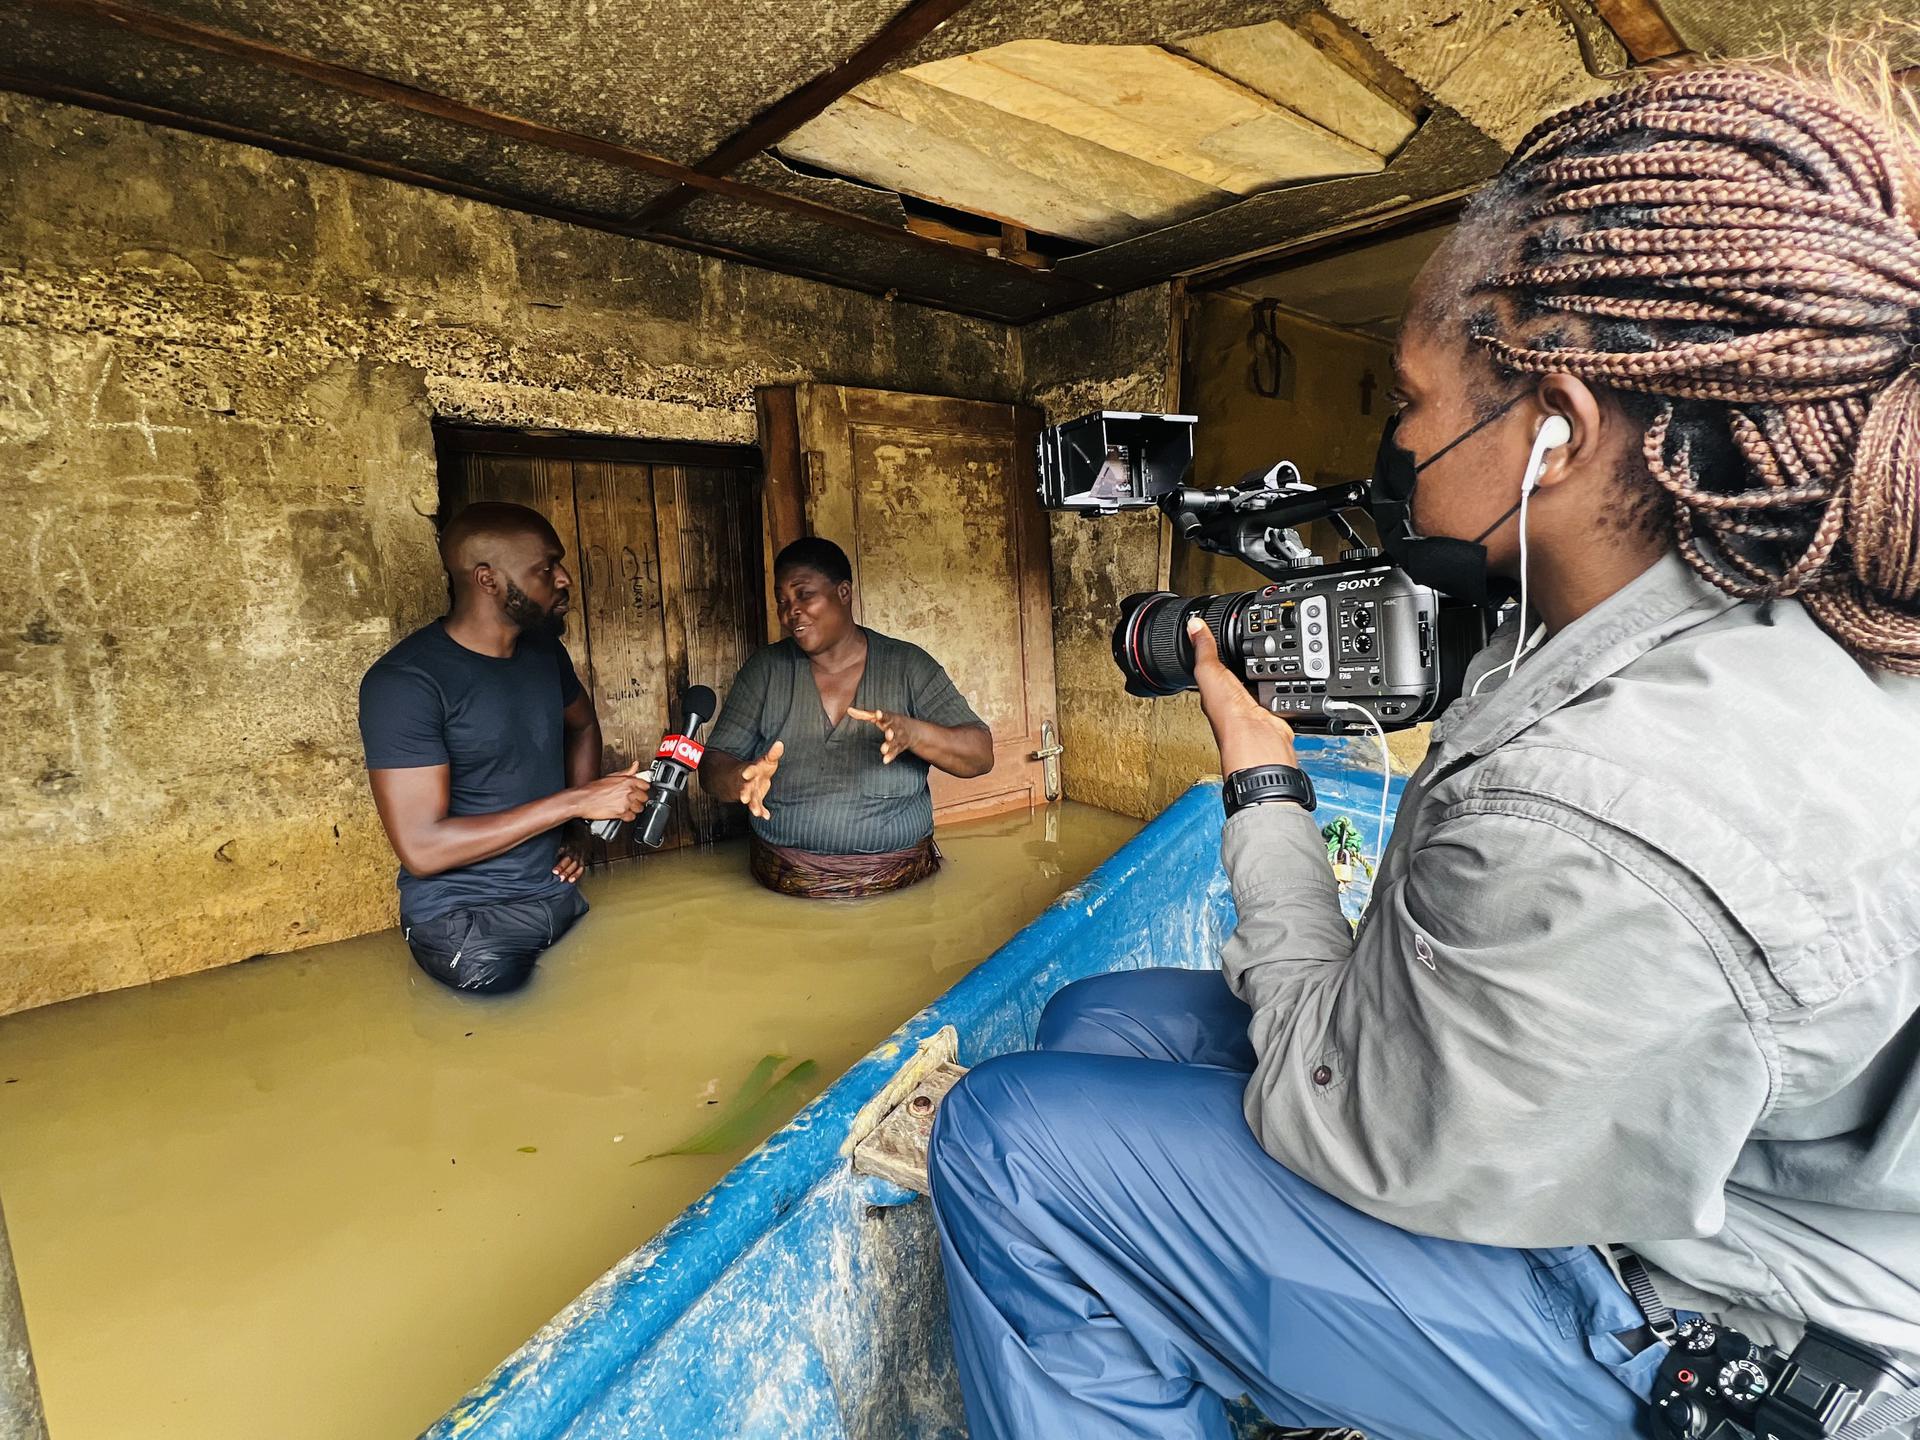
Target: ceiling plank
{"x":1164,"y":108}
{"x":386,"y":170}
{"x":1504,"y":67}
{"x":899,"y":35}
{"x":1291,"y":69}
{"x":922,"y":140}
{"x":1010,"y":242}
{"x":210,"y":40}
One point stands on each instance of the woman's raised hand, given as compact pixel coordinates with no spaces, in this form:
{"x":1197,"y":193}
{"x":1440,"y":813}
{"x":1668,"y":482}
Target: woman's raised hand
{"x":897,"y":732}
{"x":757,"y":776}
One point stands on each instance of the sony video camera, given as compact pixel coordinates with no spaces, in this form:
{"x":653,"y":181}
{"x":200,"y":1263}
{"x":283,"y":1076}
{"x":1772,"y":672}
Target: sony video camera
{"x":1321,"y":644}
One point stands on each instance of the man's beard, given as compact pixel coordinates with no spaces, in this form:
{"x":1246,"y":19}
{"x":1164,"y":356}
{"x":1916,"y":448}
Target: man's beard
{"x":529,"y":617}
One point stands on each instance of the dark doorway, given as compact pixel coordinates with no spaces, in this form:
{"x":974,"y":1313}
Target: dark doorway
{"x":665,"y":545}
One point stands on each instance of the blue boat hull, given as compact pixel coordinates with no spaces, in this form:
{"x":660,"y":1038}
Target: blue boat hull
{"x":796,"y":1299}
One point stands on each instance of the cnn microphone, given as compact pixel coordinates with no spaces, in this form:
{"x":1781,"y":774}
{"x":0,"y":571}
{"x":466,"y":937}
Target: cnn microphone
{"x":677,"y":758}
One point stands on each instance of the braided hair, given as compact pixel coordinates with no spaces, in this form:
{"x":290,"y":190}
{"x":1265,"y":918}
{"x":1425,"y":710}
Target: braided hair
{"x":1733,"y":252}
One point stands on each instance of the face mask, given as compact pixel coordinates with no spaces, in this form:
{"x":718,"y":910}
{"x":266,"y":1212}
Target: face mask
{"x":1453,"y":567}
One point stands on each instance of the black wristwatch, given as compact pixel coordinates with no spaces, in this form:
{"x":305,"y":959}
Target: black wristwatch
{"x":1257,"y":784}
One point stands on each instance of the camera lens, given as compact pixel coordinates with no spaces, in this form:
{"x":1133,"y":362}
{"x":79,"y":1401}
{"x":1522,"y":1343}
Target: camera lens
{"x":1150,"y":643}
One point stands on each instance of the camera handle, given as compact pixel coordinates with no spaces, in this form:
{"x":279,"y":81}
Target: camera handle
{"x":1255,"y":520}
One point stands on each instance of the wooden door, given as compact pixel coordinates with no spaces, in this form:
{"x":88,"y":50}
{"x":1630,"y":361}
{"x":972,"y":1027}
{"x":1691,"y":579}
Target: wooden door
{"x":624,"y":610}
{"x":664,"y":544}
{"x":710,"y":560}
{"x":933,"y":501}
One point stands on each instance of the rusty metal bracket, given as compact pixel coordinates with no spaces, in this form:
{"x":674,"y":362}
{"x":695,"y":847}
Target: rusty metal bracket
{"x":888,"y":1138}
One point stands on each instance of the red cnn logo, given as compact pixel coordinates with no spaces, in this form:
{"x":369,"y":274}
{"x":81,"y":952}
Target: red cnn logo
{"x":680,"y":748}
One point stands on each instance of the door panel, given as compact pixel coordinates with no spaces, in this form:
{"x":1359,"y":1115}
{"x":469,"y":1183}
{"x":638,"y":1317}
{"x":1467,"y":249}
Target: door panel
{"x":539,"y":483}
{"x":626,"y":634}
{"x":708,"y":519}
{"x":932,"y":499}
{"x":932,"y":517}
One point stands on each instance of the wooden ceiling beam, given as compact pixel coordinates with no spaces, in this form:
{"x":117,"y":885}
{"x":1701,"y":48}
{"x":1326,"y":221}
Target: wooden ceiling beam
{"x":899,"y":35}
{"x":1643,"y":28}
{"x":209,"y":40}
{"x":1249,"y":265}
{"x":386,"y":170}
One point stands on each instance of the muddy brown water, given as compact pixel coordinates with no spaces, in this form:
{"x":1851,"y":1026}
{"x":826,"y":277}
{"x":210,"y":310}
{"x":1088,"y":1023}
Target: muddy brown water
{"x":317,"y":1195}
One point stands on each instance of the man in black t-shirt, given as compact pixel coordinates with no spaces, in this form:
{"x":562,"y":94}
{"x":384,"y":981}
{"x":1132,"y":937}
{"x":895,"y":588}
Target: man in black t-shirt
{"x":482,"y":746}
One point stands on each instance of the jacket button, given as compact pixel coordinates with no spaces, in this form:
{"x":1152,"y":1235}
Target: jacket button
{"x":1322,"y":1075}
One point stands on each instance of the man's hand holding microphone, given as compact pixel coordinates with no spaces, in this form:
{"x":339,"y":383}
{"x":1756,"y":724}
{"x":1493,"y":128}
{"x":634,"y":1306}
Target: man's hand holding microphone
{"x":619,"y":796}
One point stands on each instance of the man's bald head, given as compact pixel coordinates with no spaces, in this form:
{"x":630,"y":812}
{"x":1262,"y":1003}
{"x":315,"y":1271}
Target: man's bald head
{"x":511,"y":555}
{"x":489,"y":531}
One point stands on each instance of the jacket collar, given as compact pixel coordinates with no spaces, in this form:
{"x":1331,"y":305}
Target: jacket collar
{"x":1663,"y":601}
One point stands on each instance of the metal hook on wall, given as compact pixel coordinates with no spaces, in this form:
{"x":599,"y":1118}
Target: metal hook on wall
{"x":1271,"y":371}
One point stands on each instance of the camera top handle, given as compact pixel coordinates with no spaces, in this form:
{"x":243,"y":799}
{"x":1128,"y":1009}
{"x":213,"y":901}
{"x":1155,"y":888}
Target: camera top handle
{"x":1254,"y":521}
{"x":1114,"y":460}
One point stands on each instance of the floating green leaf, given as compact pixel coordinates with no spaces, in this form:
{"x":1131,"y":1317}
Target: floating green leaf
{"x":757,"y":1100}
{"x":529,"y":1149}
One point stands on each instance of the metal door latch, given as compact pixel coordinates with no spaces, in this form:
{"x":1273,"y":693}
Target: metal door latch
{"x":1049,"y":755}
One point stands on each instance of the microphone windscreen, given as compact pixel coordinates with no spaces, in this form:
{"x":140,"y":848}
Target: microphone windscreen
{"x":698,"y":700}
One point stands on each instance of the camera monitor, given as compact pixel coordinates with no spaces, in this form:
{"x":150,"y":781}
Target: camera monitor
{"x":1114,"y":460}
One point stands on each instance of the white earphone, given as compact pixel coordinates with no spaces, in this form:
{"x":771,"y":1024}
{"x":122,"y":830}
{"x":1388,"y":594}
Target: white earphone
{"x":1554,"y":433}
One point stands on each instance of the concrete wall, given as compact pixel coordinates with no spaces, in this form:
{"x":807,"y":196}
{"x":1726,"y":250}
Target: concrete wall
{"x":218,"y":372}
{"x":1129,"y":755}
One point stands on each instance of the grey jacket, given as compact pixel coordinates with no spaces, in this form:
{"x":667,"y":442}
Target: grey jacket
{"x":1642,"y":964}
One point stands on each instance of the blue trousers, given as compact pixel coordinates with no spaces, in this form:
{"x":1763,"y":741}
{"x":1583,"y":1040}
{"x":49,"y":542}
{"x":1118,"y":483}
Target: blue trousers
{"x":1122,"y":1258}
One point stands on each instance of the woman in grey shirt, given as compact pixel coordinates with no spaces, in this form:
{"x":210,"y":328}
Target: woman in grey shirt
{"x":828,"y":738}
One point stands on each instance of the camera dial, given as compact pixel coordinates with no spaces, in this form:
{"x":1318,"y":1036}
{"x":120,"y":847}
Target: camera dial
{"x":1743,"y":1383}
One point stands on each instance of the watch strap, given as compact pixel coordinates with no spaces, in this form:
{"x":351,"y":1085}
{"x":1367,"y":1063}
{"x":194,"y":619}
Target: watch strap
{"x":1262,"y":784}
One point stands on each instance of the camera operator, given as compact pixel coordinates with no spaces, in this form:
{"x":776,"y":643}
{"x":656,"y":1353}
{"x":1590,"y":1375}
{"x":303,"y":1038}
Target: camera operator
{"x":1642,"y":962}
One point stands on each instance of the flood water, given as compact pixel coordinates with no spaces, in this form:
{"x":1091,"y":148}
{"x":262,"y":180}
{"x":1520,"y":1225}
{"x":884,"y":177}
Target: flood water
{"x":318,"y":1196}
